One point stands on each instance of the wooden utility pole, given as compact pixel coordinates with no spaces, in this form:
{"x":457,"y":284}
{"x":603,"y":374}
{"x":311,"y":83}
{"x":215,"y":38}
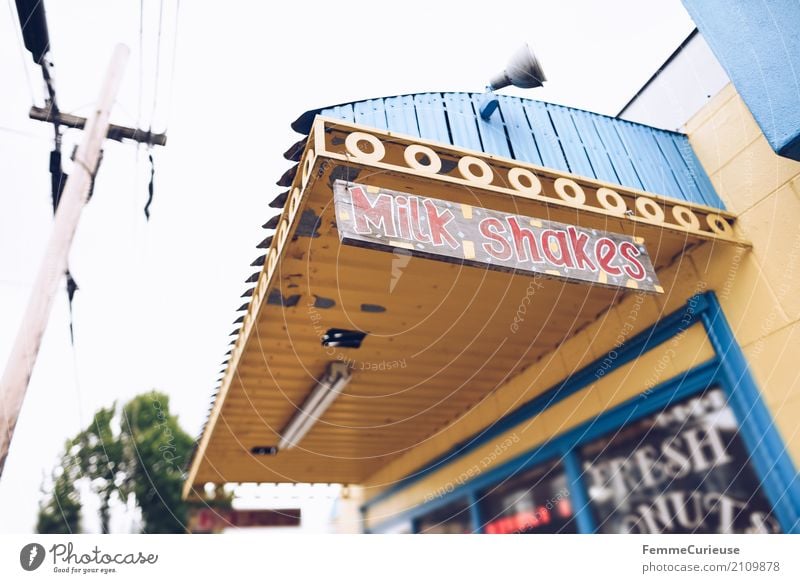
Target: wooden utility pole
{"x":16,"y":376}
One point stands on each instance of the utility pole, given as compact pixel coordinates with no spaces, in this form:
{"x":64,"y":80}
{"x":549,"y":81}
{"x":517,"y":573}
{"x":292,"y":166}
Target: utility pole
{"x":14,"y":383}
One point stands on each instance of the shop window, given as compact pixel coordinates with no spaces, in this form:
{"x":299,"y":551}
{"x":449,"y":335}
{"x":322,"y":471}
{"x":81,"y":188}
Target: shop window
{"x":453,"y":518}
{"x":533,"y":501}
{"x":683,"y":470}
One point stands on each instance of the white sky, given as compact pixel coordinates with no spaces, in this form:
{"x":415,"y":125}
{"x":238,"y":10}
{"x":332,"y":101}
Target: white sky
{"x":157,"y":300}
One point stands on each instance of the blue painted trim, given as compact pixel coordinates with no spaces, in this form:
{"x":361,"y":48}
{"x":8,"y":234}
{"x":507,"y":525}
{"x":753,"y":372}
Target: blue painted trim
{"x":558,"y":447}
{"x":577,"y":491}
{"x":773,"y":465}
{"x":476,"y":522}
{"x":728,"y":369}
{"x":488,"y":106}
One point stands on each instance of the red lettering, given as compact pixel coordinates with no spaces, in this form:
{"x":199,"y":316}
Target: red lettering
{"x":579,"y":241}
{"x":492,"y":229}
{"x":524,"y":241}
{"x":564,"y":508}
{"x":629,"y":251}
{"x":606,"y":250}
{"x":557,"y":239}
{"x":521,"y":521}
{"x":438,"y":225}
{"x":401,"y":203}
{"x":416,"y":224}
{"x":378,"y":213}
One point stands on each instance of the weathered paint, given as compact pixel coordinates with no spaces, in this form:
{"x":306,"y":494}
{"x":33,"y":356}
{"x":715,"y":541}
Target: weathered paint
{"x":385,"y":219}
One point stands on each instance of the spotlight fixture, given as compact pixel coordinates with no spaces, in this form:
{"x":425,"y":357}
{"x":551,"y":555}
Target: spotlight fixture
{"x":340,"y":338}
{"x":322,"y":396}
{"x":523,"y":70}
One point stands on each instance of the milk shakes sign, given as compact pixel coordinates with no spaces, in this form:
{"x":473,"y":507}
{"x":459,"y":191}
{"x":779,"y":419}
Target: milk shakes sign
{"x":457,"y":233}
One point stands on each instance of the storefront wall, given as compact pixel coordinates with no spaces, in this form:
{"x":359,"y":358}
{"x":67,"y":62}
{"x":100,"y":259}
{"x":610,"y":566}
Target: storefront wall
{"x":754,"y":289}
{"x":757,"y":288}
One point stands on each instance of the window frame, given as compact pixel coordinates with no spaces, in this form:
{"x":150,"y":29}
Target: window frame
{"x":727,"y":370}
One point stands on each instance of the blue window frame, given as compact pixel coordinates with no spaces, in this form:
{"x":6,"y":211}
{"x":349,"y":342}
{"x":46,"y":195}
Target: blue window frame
{"x":727,"y":370}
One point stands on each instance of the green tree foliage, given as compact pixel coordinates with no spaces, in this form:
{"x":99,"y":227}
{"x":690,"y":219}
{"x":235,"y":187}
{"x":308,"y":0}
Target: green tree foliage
{"x":157,"y":450}
{"x":61,"y":514}
{"x":97,"y":453}
{"x":138,"y":452}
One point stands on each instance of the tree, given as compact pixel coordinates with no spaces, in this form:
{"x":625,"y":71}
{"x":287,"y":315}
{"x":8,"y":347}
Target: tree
{"x":156,"y":451}
{"x":61,"y":514}
{"x":97,"y":453}
{"x":139,"y":452}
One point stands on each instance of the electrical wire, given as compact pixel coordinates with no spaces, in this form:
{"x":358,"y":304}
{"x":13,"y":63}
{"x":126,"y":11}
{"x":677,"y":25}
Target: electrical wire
{"x":23,"y":133}
{"x":174,"y":62}
{"x":158,"y":64}
{"x":141,"y":65}
{"x":11,"y":282}
{"x":75,"y":370}
{"x":156,"y":83}
{"x":15,"y":18}
{"x":139,"y":106}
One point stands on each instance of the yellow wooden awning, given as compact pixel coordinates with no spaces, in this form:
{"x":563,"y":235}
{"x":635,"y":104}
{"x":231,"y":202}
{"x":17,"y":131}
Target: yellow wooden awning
{"x":440,"y":336}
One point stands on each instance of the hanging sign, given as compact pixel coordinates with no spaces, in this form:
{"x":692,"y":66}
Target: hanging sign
{"x":382,"y":219}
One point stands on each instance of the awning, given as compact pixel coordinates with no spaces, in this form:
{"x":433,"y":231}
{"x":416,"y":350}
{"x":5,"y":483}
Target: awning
{"x":440,"y":335}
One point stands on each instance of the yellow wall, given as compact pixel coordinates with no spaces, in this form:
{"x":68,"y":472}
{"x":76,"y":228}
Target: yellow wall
{"x":757,"y":289}
{"x":762,"y":295}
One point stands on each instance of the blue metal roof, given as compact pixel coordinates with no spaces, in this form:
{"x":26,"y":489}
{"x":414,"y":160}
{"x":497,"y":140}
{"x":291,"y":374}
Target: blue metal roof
{"x":563,"y":138}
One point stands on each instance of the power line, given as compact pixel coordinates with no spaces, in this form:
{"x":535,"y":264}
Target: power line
{"x":141,"y":65}
{"x":16,"y":377}
{"x":23,"y":133}
{"x":174,"y":62}
{"x":15,"y":17}
{"x":158,"y":64}
{"x":75,"y":369}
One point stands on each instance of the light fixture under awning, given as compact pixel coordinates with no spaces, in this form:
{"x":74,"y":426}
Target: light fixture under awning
{"x":322,"y":396}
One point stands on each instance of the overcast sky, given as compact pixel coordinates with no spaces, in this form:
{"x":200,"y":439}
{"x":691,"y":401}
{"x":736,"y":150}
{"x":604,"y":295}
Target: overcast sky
{"x":157,"y":299}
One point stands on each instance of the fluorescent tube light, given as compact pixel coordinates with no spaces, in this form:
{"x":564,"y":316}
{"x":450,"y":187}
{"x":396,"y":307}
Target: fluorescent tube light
{"x":322,"y":396}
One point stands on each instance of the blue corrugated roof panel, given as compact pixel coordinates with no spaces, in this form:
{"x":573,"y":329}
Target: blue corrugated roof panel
{"x":463,"y":121}
{"x":492,"y":131}
{"x":401,"y":115}
{"x":519,"y":131}
{"x":558,"y":137}
{"x":431,"y":119}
